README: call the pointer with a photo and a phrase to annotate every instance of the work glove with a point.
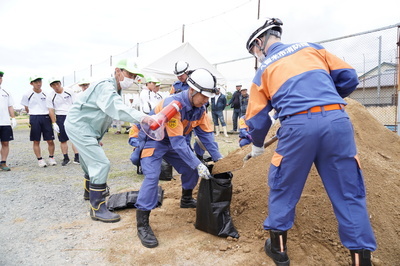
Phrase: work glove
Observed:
(13, 122)
(203, 172)
(248, 136)
(56, 128)
(255, 151)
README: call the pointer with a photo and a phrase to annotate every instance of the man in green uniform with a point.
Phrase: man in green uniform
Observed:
(87, 122)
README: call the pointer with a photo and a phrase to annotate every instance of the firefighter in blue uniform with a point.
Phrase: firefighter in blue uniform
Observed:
(181, 72)
(175, 149)
(306, 84)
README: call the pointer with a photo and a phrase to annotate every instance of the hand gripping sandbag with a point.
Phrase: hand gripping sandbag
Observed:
(128, 199)
(213, 206)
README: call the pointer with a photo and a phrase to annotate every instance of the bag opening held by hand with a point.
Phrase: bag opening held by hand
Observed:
(213, 206)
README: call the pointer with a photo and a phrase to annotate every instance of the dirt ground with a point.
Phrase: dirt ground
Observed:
(52, 226)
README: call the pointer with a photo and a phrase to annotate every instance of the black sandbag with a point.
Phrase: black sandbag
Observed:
(128, 199)
(166, 171)
(213, 206)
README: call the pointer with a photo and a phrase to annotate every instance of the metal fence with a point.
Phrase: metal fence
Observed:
(375, 56)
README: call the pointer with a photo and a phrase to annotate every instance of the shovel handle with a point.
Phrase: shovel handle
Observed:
(270, 141)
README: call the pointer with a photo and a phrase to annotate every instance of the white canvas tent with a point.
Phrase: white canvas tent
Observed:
(163, 68)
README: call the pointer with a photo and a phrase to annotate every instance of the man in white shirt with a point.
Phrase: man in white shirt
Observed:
(59, 102)
(149, 96)
(6, 126)
(39, 120)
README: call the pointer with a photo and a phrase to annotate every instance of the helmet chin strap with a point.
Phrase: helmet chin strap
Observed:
(262, 48)
(192, 95)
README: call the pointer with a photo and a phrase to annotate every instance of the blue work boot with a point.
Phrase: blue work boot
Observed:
(86, 187)
(98, 209)
(86, 182)
(275, 247)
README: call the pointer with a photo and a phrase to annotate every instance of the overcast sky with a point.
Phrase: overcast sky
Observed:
(51, 37)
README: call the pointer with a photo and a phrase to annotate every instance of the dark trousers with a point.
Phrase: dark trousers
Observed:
(235, 118)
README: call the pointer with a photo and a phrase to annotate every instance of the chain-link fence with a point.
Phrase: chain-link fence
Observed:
(374, 54)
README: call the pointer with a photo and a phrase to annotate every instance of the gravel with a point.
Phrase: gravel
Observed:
(44, 219)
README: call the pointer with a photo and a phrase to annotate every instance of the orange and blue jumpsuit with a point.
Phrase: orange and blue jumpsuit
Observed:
(175, 149)
(178, 86)
(244, 136)
(305, 85)
(134, 142)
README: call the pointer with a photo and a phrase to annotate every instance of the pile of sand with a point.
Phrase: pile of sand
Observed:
(312, 241)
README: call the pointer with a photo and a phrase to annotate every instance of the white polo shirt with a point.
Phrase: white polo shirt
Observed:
(6, 101)
(36, 103)
(149, 100)
(61, 102)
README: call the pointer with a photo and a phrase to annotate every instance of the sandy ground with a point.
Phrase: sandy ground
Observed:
(45, 221)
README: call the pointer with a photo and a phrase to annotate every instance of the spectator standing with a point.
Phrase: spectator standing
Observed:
(315, 129)
(149, 96)
(84, 84)
(59, 102)
(218, 104)
(244, 100)
(235, 104)
(6, 125)
(34, 102)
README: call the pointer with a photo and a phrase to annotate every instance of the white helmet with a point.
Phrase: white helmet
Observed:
(180, 68)
(201, 80)
(272, 26)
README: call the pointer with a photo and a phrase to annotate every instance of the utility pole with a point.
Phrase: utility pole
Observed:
(258, 17)
(183, 33)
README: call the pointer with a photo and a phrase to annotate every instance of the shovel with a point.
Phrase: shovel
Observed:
(236, 159)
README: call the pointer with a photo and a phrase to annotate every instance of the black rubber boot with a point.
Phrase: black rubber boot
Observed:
(144, 231)
(98, 209)
(187, 200)
(275, 247)
(86, 187)
(360, 257)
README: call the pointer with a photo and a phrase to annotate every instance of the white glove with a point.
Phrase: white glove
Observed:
(203, 172)
(13, 122)
(56, 128)
(255, 151)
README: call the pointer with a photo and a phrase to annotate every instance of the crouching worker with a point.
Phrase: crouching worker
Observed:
(244, 136)
(175, 149)
(88, 120)
(134, 142)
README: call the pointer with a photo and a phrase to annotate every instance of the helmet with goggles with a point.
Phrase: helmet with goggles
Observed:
(180, 68)
(272, 26)
(201, 80)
